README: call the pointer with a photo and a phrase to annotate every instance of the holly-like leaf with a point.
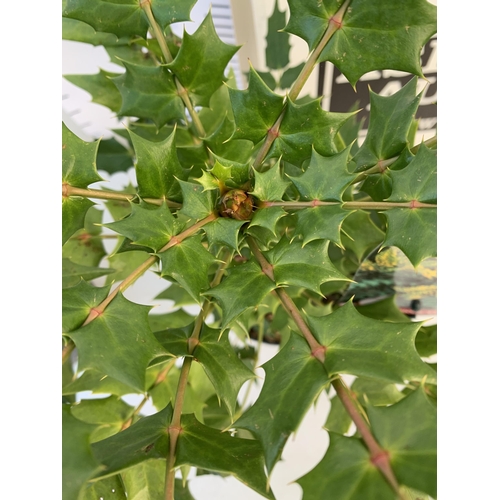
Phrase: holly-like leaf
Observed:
(188, 263)
(158, 168)
(294, 379)
(119, 343)
(347, 470)
(149, 92)
(177, 294)
(209, 449)
(146, 439)
(77, 302)
(123, 264)
(255, 109)
(326, 178)
(278, 44)
(74, 210)
(78, 31)
(197, 203)
(305, 126)
(385, 35)
(113, 157)
(290, 75)
(223, 231)
(248, 283)
(338, 419)
(307, 266)
(100, 87)
(269, 185)
(126, 17)
(148, 225)
(146, 480)
(390, 120)
(78, 461)
(105, 488)
(426, 341)
(73, 273)
(98, 383)
(375, 392)
(321, 223)
(110, 410)
(267, 218)
(367, 347)
(201, 62)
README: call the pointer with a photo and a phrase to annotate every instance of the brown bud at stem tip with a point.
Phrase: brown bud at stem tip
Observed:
(236, 204)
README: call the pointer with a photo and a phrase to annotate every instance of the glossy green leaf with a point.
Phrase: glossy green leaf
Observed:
(176, 319)
(367, 347)
(74, 210)
(110, 410)
(312, 186)
(188, 263)
(413, 231)
(255, 109)
(113, 157)
(126, 17)
(248, 283)
(278, 44)
(201, 62)
(307, 266)
(305, 126)
(385, 310)
(294, 379)
(390, 120)
(100, 87)
(426, 341)
(78, 160)
(158, 168)
(109, 487)
(222, 453)
(148, 225)
(73, 273)
(197, 203)
(223, 231)
(78, 461)
(144, 440)
(267, 218)
(269, 185)
(77, 301)
(321, 223)
(149, 92)
(119, 343)
(346, 470)
(78, 31)
(375, 392)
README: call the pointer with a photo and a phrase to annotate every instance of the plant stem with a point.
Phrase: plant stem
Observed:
(181, 91)
(353, 205)
(378, 456)
(68, 190)
(139, 271)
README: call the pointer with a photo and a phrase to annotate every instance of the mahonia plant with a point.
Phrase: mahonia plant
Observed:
(258, 207)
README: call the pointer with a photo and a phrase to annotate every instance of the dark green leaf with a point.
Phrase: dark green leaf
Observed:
(123, 264)
(78, 462)
(267, 78)
(268, 218)
(78, 31)
(248, 283)
(111, 410)
(426, 341)
(338, 419)
(176, 319)
(269, 185)
(385, 310)
(188, 263)
(113, 157)
(149, 92)
(74, 210)
(221, 453)
(367, 347)
(98, 383)
(377, 392)
(197, 203)
(100, 87)
(278, 45)
(224, 231)
(290, 75)
(177, 294)
(294, 379)
(119, 343)
(73, 273)
(201, 62)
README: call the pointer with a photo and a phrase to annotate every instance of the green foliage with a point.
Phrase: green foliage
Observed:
(255, 210)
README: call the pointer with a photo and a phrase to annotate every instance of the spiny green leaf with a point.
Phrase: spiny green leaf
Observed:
(188, 263)
(74, 210)
(126, 17)
(197, 203)
(290, 75)
(378, 392)
(110, 410)
(294, 379)
(146, 439)
(119, 343)
(149, 92)
(201, 62)
(78, 31)
(367, 347)
(248, 283)
(303, 127)
(278, 45)
(413, 231)
(390, 119)
(158, 168)
(207, 448)
(269, 185)
(385, 310)
(326, 178)
(338, 419)
(100, 87)
(113, 157)
(77, 302)
(408, 431)
(268, 218)
(255, 109)
(78, 160)
(223, 231)
(176, 319)
(105, 488)
(98, 383)
(307, 266)
(146, 480)
(177, 294)
(346, 469)
(133, 53)
(78, 461)
(426, 341)
(73, 273)
(418, 181)
(321, 223)
(123, 264)
(148, 225)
